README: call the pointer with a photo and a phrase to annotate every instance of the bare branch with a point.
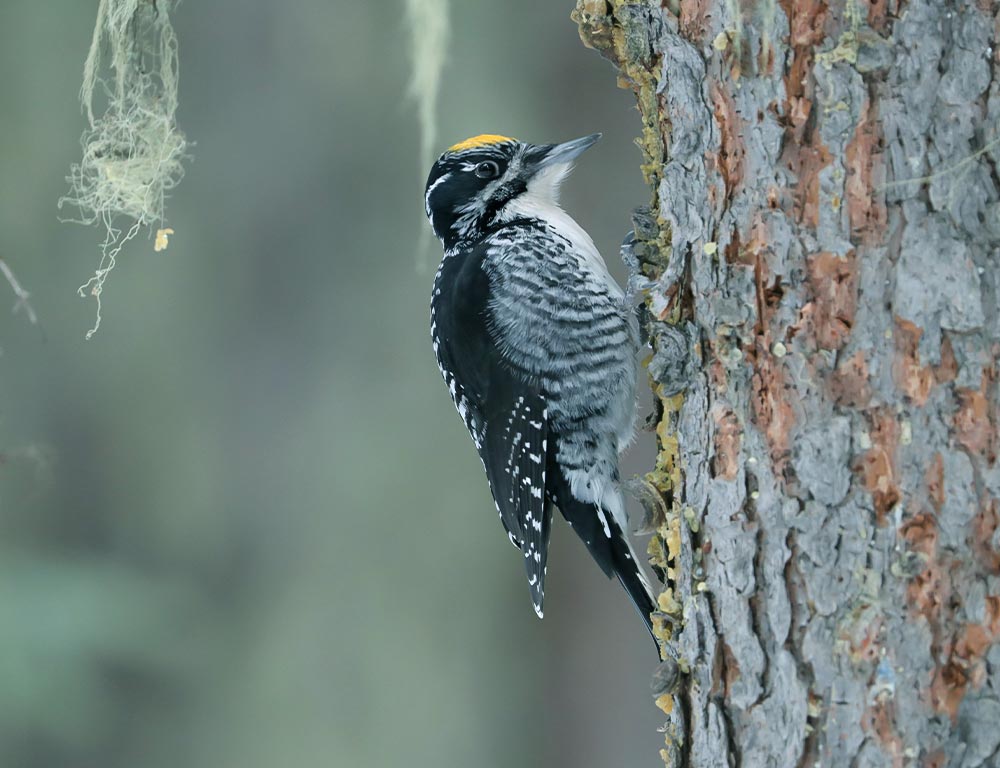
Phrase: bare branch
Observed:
(22, 295)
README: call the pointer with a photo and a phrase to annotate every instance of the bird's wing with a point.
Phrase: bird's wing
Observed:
(514, 453)
(504, 411)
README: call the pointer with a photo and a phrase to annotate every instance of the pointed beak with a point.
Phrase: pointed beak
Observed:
(567, 152)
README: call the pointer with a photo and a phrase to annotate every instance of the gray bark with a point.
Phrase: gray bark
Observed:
(824, 237)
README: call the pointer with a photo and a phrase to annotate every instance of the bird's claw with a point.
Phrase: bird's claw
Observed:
(638, 284)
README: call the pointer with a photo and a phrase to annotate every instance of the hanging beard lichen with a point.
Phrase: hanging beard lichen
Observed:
(132, 150)
(428, 22)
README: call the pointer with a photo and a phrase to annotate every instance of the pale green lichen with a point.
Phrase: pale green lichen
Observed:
(132, 148)
(849, 41)
(429, 31)
(428, 20)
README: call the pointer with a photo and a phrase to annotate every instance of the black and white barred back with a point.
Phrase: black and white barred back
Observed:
(538, 348)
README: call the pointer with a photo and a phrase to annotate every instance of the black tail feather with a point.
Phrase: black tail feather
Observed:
(630, 576)
(613, 553)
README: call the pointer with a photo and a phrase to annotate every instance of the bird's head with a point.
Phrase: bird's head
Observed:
(485, 181)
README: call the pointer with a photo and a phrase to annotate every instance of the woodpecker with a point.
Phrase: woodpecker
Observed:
(538, 348)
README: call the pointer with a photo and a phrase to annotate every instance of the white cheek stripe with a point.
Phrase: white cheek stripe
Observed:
(430, 191)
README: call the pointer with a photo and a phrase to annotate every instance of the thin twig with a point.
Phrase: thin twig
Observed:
(943, 171)
(21, 294)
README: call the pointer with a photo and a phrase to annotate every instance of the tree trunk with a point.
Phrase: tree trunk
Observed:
(824, 235)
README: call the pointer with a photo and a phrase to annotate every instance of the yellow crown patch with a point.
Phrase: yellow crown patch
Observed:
(483, 140)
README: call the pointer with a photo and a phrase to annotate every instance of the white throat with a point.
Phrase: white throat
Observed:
(541, 201)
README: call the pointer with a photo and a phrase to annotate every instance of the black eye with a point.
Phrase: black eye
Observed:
(487, 170)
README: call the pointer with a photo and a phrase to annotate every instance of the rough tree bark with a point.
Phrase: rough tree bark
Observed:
(824, 235)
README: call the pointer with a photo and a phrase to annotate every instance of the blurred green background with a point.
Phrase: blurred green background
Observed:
(243, 525)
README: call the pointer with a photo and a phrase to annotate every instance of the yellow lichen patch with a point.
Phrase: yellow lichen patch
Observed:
(667, 474)
(162, 239)
(482, 140)
(665, 545)
(657, 552)
(666, 703)
(691, 518)
(671, 533)
(662, 629)
(666, 602)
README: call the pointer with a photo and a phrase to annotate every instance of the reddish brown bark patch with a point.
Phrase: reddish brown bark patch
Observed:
(725, 670)
(934, 477)
(834, 283)
(948, 369)
(861, 634)
(806, 164)
(771, 406)
(879, 720)
(974, 422)
(878, 466)
(771, 399)
(878, 15)
(967, 666)
(984, 526)
(971, 646)
(754, 249)
(929, 590)
(948, 688)
(804, 153)
(728, 439)
(993, 615)
(865, 177)
(716, 371)
(849, 384)
(806, 22)
(912, 378)
(693, 19)
(936, 759)
(731, 668)
(732, 151)
(932, 595)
